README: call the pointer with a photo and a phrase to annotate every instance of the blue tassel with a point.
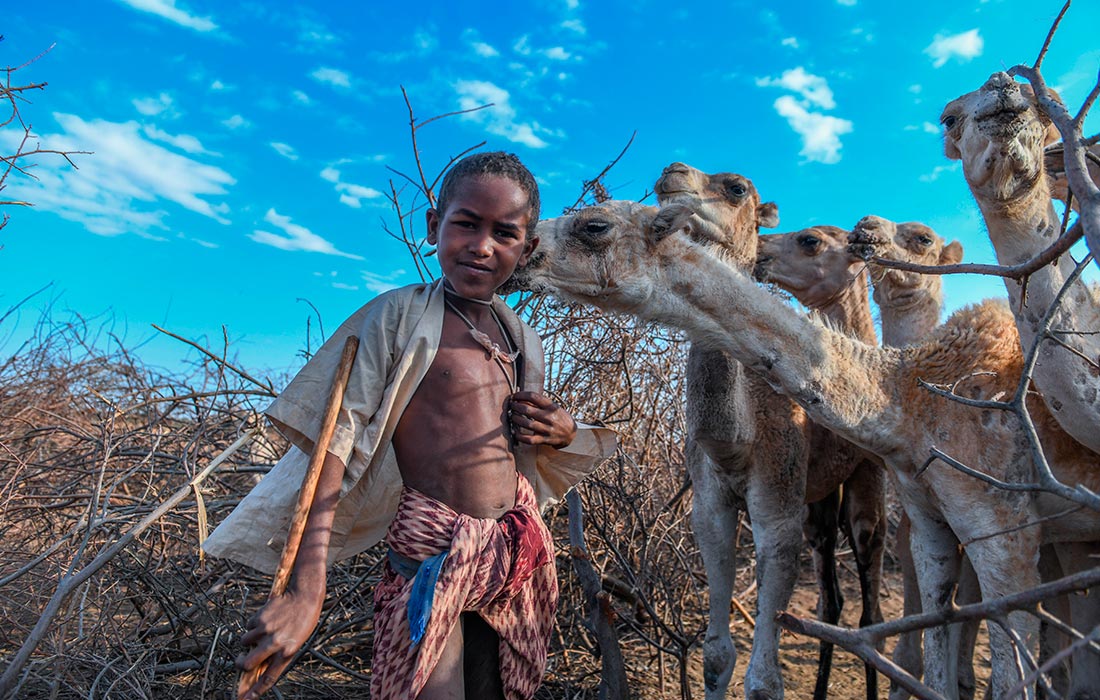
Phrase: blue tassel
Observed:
(423, 592)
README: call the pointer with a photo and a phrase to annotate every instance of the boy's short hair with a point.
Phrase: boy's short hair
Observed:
(496, 163)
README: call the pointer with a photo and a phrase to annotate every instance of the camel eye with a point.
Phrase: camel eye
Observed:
(923, 241)
(596, 227)
(737, 189)
(948, 121)
(809, 242)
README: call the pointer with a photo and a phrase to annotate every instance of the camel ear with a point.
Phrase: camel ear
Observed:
(669, 220)
(951, 149)
(1052, 135)
(767, 214)
(951, 254)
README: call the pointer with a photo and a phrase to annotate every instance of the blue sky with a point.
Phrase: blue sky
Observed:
(241, 149)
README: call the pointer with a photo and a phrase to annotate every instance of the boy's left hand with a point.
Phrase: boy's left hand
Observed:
(536, 420)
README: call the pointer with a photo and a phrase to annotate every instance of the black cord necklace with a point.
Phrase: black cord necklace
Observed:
(494, 351)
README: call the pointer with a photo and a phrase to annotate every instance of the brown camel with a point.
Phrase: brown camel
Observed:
(625, 257)
(815, 266)
(909, 305)
(746, 447)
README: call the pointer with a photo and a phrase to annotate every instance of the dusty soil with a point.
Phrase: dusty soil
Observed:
(798, 655)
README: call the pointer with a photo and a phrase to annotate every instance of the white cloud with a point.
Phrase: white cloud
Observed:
(296, 237)
(331, 76)
(301, 98)
(168, 10)
(572, 4)
(126, 185)
(218, 86)
(184, 142)
(557, 53)
(236, 122)
(915, 88)
(939, 170)
(381, 283)
(344, 285)
(484, 50)
(790, 41)
(574, 25)
(425, 40)
(522, 46)
(820, 132)
(285, 150)
(500, 119)
(962, 47)
(846, 3)
(152, 106)
(813, 88)
(350, 194)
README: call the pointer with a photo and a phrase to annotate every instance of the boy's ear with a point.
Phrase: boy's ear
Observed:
(432, 219)
(529, 246)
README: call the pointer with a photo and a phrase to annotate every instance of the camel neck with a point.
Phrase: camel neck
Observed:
(844, 384)
(910, 323)
(850, 310)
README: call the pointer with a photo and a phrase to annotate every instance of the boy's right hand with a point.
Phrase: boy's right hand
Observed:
(276, 633)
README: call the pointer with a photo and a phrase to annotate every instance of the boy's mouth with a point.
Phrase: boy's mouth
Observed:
(476, 267)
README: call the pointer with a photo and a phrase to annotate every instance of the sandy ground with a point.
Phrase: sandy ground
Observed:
(798, 655)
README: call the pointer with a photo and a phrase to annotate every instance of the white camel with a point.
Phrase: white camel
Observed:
(625, 257)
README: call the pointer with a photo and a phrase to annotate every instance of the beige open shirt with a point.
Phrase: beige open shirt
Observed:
(399, 333)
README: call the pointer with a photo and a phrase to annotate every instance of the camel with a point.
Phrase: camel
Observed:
(747, 447)
(909, 305)
(814, 265)
(999, 134)
(626, 257)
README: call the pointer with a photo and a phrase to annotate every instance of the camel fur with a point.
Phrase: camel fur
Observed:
(814, 265)
(999, 134)
(625, 257)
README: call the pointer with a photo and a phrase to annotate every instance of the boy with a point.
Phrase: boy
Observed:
(444, 443)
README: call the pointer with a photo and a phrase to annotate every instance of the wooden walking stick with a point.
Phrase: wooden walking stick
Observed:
(305, 495)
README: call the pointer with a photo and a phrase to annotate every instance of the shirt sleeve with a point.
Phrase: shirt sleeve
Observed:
(298, 411)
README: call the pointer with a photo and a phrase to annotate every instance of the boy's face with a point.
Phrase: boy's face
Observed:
(482, 236)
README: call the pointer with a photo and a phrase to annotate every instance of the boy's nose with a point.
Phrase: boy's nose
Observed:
(482, 245)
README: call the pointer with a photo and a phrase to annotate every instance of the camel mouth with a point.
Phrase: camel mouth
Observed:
(760, 271)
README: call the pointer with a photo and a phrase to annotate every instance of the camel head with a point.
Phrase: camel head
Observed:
(728, 205)
(913, 242)
(813, 264)
(606, 255)
(998, 132)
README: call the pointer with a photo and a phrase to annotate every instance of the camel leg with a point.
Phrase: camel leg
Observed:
(934, 545)
(776, 513)
(1085, 615)
(714, 520)
(1051, 640)
(907, 652)
(821, 532)
(1005, 564)
(969, 592)
(864, 518)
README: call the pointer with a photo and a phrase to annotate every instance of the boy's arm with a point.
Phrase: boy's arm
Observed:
(283, 625)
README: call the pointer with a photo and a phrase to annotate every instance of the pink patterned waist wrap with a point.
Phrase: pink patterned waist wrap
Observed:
(502, 569)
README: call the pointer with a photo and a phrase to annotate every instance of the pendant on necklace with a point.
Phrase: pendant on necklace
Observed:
(492, 348)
